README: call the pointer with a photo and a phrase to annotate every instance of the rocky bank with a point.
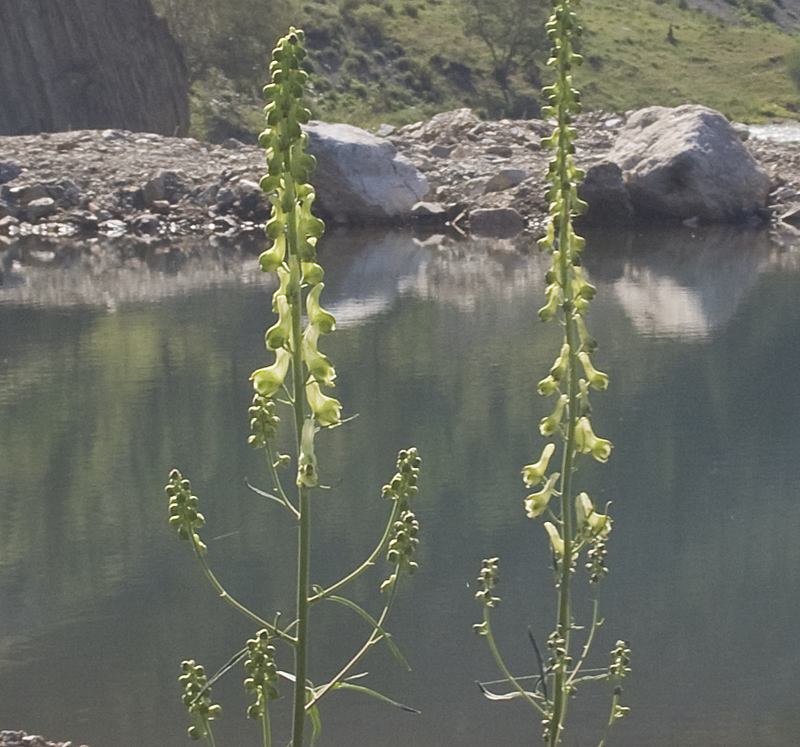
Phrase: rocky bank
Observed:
(483, 177)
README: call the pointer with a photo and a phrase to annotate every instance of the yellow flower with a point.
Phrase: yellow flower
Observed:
(533, 474)
(536, 503)
(268, 380)
(326, 409)
(588, 443)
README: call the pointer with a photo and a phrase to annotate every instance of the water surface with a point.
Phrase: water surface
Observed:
(108, 383)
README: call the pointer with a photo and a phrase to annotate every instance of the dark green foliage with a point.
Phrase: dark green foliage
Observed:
(793, 65)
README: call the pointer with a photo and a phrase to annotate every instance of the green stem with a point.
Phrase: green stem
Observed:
(366, 564)
(487, 628)
(265, 727)
(564, 625)
(276, 481)
(304, 507)
(374, 637)
(209, 733)
(236, 604)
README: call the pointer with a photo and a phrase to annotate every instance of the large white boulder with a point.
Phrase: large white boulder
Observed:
(688, 162)
(360, 178)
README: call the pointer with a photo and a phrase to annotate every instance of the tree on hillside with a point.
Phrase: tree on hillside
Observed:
(232, 36)
(513, 31)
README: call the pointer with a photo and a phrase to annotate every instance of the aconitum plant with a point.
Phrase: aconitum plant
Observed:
(576, 530)
(295, 380)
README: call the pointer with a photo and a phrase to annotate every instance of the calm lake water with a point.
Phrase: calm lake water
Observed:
(108, 379)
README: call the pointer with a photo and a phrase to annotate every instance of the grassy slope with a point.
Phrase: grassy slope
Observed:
(393, 60)
(738, 69)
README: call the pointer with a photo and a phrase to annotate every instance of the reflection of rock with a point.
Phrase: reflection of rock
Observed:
(679, 283)
(366, 272)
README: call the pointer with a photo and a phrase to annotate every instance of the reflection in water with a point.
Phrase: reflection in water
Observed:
(672, 283)
(439, 347)
(681, 283)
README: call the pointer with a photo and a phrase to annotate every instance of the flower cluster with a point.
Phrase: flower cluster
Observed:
(184, 517)
(263, 421)
(568, 294)
(403, 486)
(402, 548)
(262, 673)
(488, 578)
(294, 232)
(401, 489)
(197, 699)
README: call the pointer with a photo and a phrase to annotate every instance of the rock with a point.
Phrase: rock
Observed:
(113, 227)
(505, 179)
(385, 130)
(504, 151)
(9, 172)
(6, 209)
(6, 222)
(360, 178)
(792, 216)
(604, 190)
(146, 224)
(84, 219)
(688, 161)
(231, 143)
(429, 211)
(166, 185)
(500, 223)
(43, 207)
(441, 151)
(90, 64)
(448, 127)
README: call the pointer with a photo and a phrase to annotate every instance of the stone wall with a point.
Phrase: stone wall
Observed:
(89, 64)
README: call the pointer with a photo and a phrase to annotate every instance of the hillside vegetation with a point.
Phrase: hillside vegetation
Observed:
(397, 61)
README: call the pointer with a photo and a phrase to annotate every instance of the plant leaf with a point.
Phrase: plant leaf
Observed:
(374, 694)
(374, 623)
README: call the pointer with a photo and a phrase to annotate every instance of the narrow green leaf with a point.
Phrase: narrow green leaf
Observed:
(374, 623)
(373, 693)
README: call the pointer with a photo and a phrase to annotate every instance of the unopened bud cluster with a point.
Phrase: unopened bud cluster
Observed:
(402, 488)
(262, 680)
(488, 578)
(184, 517)
(197, 698)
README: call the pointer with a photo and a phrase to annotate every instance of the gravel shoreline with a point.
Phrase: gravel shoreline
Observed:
(114, 183)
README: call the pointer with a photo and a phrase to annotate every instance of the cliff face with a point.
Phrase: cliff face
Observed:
(89, 64)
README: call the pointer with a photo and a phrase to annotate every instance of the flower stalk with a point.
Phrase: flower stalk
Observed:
(299, 374)
(576, 525)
